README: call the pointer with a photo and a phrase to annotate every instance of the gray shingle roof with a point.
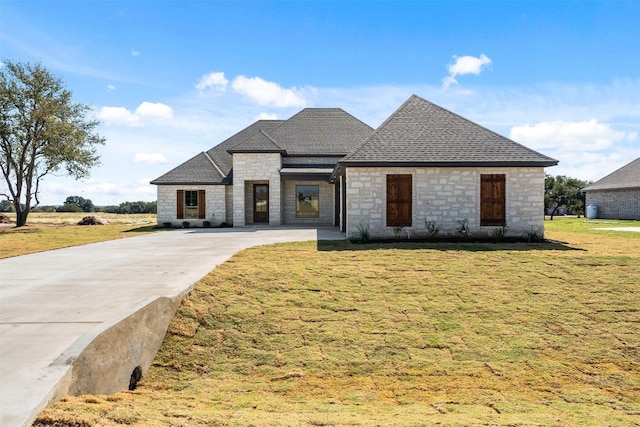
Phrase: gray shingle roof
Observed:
(627, 176)
(420, 132)
(257, 143)
(320, 131)
(214, 166)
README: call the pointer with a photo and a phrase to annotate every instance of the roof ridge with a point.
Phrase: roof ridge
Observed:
(271, 139)
(378, 129)
(215, 165)
(531, 150)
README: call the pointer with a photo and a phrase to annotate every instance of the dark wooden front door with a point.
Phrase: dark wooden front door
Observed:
(261, 203)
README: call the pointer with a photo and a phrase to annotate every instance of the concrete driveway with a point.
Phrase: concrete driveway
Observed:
(54, 304)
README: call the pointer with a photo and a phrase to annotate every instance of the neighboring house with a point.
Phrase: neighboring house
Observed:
(617, 195)
(423, 166)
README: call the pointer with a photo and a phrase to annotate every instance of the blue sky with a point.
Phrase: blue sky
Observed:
(169, 79)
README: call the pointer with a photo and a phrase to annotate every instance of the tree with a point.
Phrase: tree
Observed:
(69, 207)
(563, 191)
(41, 131)
(5, 206)
(85, 204)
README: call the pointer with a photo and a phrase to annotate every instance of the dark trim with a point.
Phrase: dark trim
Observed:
(187, 183)
(263, 151)
(305, 176)
(338, 155)
(391, 164)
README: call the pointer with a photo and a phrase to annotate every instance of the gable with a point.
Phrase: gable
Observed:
(213, 166)
(320, 131)
(627, 176)
(422, 133)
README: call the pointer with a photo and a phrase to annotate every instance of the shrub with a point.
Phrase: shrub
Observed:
(167, 224)
(501, 231)
(463, 227)
(206, 224)
(534, 235)
(186, 224)
(432, 228)
(362, 234)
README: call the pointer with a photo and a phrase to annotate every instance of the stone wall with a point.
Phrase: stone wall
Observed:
(326, 203)
(444, 196)
(215, 203)
(615, 204)
(259, 167)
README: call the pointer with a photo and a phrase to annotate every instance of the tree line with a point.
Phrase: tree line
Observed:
(80, 204)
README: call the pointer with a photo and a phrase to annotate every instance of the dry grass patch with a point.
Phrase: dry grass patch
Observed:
(46, 231)
(397, 334)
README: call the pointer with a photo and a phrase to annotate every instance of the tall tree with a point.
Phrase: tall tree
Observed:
(85, 204)
(563, 191)
(41, 131)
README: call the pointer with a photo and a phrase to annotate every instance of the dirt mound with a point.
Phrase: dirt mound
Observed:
(5, 219)
(93, 220)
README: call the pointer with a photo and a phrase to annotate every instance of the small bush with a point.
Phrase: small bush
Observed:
(500, 232)
(463, 227)
(167, 224)
(432, 228)
(206, 224)
(362, 234)
(534, 235)
(186, 224)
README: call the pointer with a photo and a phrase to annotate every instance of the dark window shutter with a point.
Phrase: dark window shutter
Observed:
(399, 200)
(492, 200)
(180, 204)
(202, 207)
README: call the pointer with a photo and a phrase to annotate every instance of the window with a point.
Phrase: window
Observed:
(492, 200)
(307, 197)
(190, 204)
(399, 199)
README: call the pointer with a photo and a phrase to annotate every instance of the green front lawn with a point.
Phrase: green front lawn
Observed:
(335, 334)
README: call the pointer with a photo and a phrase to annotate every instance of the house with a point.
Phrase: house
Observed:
(617, 195)
(423, 168)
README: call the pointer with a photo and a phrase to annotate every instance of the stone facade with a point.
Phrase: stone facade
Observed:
(615, 204)
(443, 196)
(258, 168)
(326, 203)
(215, 204)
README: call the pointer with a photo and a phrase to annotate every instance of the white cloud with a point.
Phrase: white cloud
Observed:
(215, 81)
(587, 135)
(111, 88)
(118, 115)
(156, 110)
(135, 52)
(122, 116)
(268, 93)
(150, 158)
(267, 116)
(465, 65)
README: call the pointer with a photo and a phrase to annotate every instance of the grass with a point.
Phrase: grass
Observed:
(399, 334)
(46, 231)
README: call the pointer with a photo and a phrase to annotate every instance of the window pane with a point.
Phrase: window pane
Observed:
(307, 201)
(191, 204)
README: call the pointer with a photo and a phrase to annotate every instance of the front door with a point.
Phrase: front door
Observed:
(261, 203)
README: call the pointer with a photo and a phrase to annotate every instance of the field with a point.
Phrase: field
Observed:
(46, 231)
(399, 334)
